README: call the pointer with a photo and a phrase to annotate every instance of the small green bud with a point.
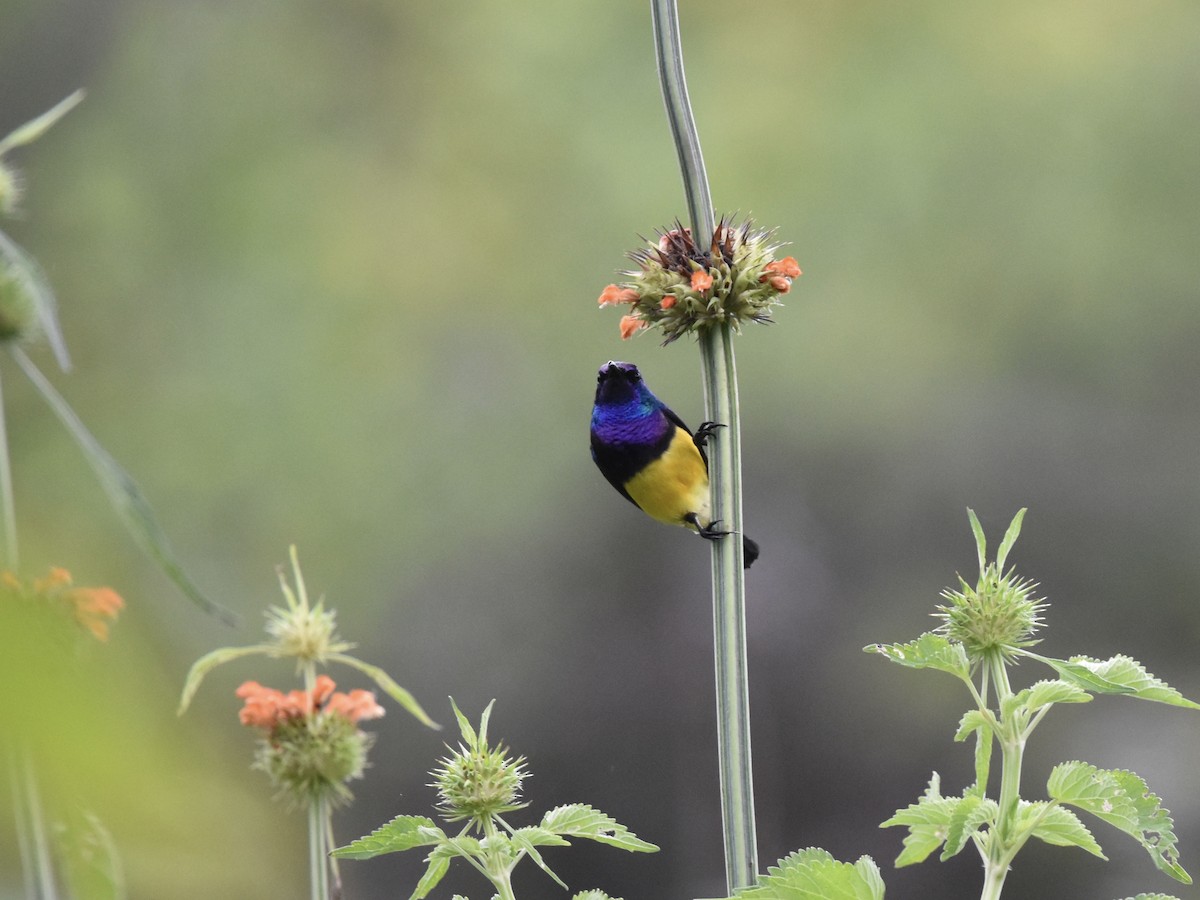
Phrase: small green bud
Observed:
(18, 309)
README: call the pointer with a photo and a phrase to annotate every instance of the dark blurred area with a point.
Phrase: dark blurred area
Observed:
(328, 274)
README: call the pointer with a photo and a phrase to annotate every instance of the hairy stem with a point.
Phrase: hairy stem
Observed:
(1002, 845)
(721, 405)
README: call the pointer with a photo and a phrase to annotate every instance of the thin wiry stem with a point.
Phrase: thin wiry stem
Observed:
(6, 496)
(721, 405)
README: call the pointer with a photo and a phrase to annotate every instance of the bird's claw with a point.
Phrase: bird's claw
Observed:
(704, 432)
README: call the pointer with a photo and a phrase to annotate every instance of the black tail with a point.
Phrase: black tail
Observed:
(749, 551)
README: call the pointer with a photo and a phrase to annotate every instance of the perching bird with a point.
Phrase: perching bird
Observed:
(651, 457)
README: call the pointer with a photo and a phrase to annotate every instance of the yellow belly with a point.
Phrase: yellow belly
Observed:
(674, 485)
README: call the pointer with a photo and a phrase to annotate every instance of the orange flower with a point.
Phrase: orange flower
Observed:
(93, 606)
(356, 705)
(630, 325)
(781, 284)
(615, 295)
(667, 302)
(268, 708)
(786, 266)
(701, 281)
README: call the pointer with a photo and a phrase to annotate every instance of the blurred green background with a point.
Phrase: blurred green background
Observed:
(328, 273)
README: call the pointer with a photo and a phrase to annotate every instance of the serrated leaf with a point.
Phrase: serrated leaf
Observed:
(969, 814)
(388, 685)
(1118, 675)
(401, 833)
(209, 661)
(929, 651)
(814, 874)
(593, 895)
(1122, 799)
(581, 820)
(972, 721)
(123, 493)
(1056, 825)
(1044, 693)
(1152, 897)
(928, 822)
(36, 285)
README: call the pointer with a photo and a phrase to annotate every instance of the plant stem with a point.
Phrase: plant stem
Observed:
(36, 861)
(6, 496)
(318, 822)
(721, 405)
(1002, 846)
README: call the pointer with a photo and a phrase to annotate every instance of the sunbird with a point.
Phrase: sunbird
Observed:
(654, 460)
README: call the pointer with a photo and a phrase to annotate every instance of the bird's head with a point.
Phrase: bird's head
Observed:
(619, 382)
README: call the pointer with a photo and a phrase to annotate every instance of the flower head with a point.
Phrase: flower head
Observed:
(1000, 614)
(478, 781)
(682, 286)
(311, 742)
(93, 609)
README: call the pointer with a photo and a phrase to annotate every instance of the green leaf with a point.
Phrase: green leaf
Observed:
(1118, 675)
(593, 895)
(1122, 799)
(401, 833)
(1010, 538)
(928, 822)
(439, 863)
(388, 686)
(814, 874)
(976, 720)
(209, 661)
(34, 129)
(980, 540)
(464, 726)
(34, 283)
(1045, 693)
(124, 494)
(969, 814)
(929, 651)
(528, 839)
(1152, 897)
(1056, 825)
(580, 820)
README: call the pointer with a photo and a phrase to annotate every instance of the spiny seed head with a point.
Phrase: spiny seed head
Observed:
(478, 783)
(998, 616)
(683, 286)
(308, 635)
(312, 757)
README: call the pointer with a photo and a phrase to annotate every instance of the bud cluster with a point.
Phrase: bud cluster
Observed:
(998, 616)
(681, 286)
(478, 781)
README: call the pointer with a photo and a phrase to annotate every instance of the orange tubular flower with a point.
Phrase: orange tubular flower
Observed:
(630, 325)
(786, 266)
(615, 295)
(94, 606)
(701, 281)
(268, 708)
(667, 302)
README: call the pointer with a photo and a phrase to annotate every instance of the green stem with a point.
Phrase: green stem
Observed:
(721, 405)
(318, 822)
(6, 496)
(37, 863)
(1002, 844)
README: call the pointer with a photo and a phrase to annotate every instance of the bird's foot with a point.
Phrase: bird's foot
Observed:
(704, 432)
(709, 532)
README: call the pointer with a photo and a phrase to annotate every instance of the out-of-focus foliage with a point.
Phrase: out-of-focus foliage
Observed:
(328, 275)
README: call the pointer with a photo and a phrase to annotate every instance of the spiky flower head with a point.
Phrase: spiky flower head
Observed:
(311, 744)
(1000, 614)
(478, 781)
(306, 632)
(683, 286)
